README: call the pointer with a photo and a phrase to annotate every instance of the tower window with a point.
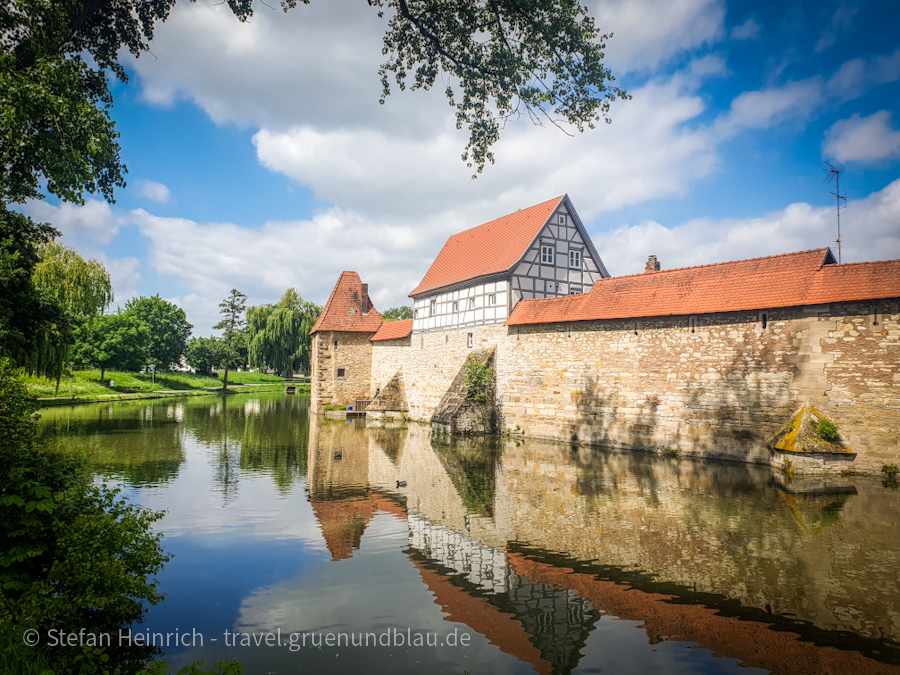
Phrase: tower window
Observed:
(336, 345)
(341, 372)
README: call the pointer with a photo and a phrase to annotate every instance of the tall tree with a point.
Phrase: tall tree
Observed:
(233, 327)
(499, 59)
(397, 313)
(30, 325)
(278, 335)
(82, 288)
(113, 341)
(168, 326)
(206, 354)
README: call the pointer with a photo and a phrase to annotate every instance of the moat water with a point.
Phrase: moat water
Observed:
(512, 555)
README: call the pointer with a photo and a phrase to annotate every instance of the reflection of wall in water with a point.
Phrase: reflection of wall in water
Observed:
(723, 529)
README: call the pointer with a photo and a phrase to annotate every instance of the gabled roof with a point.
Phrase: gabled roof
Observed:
(490, 248)
(787, 280)
(393, 330)
(349, 308)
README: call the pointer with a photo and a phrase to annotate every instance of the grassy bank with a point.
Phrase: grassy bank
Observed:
(86, 384)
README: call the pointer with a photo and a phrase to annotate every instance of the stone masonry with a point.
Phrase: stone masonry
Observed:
(341, 374)
(714, 385)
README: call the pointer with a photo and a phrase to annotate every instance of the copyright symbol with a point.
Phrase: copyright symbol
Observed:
(31, 637)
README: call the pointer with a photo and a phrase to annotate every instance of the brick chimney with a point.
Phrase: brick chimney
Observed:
(364, 300)
(652, 264)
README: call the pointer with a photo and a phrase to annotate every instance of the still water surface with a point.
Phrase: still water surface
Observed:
(552, 559)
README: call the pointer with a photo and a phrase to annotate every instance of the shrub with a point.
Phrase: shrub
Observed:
(72, 554)
(478, 382)
(828, 430)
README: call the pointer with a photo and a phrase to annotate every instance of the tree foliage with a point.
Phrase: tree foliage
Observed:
(27, 320)
(206, 354)
(234, 332)
(397, 313)
(278, 335)
(73, 555)
(499, 59)
(168, 327)
(81, 288)
(113, 341)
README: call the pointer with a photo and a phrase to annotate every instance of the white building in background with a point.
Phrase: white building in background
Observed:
(480, 274)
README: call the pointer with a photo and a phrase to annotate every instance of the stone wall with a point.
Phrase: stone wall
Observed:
(353, 356)
(717, 385)
(430, 362)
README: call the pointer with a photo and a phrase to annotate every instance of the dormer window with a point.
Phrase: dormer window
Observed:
(547, 254)
(575, 259)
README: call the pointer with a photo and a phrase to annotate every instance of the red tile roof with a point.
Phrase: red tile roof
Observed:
(487, 249)
(786, 280)
(349, 308)
(393, 330)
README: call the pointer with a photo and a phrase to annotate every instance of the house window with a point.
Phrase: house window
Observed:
(471, 303)
(455, 306)
(416, 314)
(432, 308)
(336, 345)
(342, 372)
(546, 255)
(692, 323)
(492, 300)
(575, 259)
(574, 290)
(562, 219)
(469, 340)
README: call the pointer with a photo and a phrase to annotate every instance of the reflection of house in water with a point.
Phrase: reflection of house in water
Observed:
(530, 546)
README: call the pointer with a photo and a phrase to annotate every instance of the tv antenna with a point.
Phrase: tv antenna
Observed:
(834, 171)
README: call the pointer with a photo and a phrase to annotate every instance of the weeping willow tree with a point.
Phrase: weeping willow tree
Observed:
(279, 334)
(81, 289)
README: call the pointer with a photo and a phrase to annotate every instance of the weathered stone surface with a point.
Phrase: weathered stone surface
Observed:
(801, 434)
(456, 414)
(391, 398)
(720, 386)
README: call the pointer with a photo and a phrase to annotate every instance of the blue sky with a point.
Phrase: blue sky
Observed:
(260, 159)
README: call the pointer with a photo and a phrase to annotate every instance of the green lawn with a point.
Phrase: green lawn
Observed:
(86, 382)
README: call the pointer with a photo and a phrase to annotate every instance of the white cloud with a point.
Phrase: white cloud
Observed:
(868, 229)
(81, 226)
(856, 76)
(768, 107)
(748, 30)
(648, 32)
(157, 192)
(862, 139)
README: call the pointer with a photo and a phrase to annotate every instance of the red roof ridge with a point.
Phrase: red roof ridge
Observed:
(488, 222)
(822, 250)
(490, 248)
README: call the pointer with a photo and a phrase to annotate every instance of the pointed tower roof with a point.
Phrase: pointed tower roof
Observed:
(349, 308)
